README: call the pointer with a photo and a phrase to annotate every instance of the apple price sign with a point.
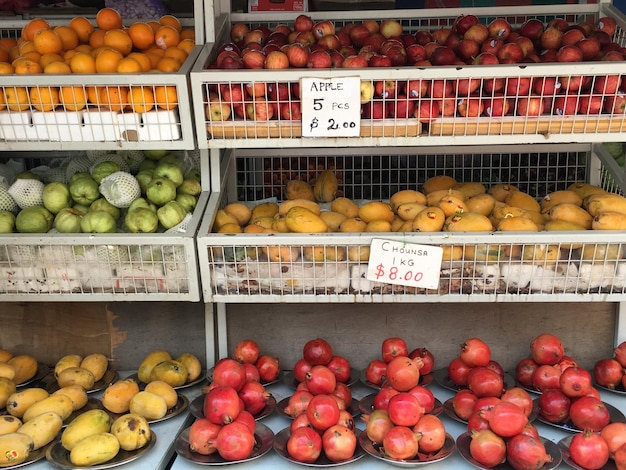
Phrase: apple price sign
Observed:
(408, 264)
(331, 107)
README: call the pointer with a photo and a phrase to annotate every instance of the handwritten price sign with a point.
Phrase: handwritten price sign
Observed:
(407, 264)
(331, 107)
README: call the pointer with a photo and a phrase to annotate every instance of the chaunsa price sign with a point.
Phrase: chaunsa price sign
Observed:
(408, 264)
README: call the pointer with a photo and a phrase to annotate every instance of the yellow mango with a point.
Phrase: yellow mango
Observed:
(298, 189)
(523, 201)
(67, 361)
(239, 211)
(541, 254)
(481, 204)
(151, 360)
(5, 355)
(609, 221)
(326, 186)
(95, 450)
(430, 219)
(264, 209)
(585, 189)
(345, 206)
(165, 391)
(557, 197)
(335, 253)
(432, 199)
(437, 183)
(517, 224)
(451, 205)
(482, 252)
(316, 253)
(333, 220)
(149, 405)
(467, 222)
(470, 188)
(7, 371)
(262, 222)
(286, 206)
(404, 196)
(76, 393)
(282, 253)
(116, 397)
(570, 213)
(60, 404)
(502, 211)
(171, 371)
(379, 226)
(76, 376)
(132, 431)
(409, 210)
(7, 388)
(562, 226)
(193, 365)
(501, 191)
(223, 218)
(25, 367)
(376, 210)
(95, 363)
(14, 449)
(396, 224)
(606, 202)
(452, 253)
(302, 220)
(85, 424)
(9, 424)
(353, 225)
(279, 223)
(359, 253)
(19, 402)
(42, 428)
(601, 252)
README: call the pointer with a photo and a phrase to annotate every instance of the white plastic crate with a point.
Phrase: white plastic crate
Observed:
(494, 266)
(240, 131)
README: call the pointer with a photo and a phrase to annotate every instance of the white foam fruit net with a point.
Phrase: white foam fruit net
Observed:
(133, 158)
(110, 157)
(27, 192)
(182, 227)
(7, 203)
(120, 189)
(79, 164)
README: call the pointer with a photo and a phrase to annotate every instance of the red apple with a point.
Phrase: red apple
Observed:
(217, 110)
(336, 59)
(347, 51)
(442, 55)
(548, 55)
(344, 38)
(571, 82)
(446, 106)
(465, 22)
(373, 110)
(558, 23)
(282, 28)
(389, 44)
(517, 86)
(319, 59)
(416, 88)
(298, 55)
(494, 85)
(295, 90)
(276, 60)
(569, 54)
(532, 28)
(590, 48)
(255, 36)
(499, 28)
(256, 89)
(590, 103)
(552, 38)
(306, 38)
(441, 88)
(401, 108)
(408, 39)
(423, 37)
(607, 84)
(372, 25)
(385, 88)
(374, 41)
(278, 37)
(253, 59)
(354, 62)
(358, 34)
(486, 58)
(527, 45)
(602, 36)
(427, 110)
(477, 32)
(497, 105)
(227, 60)
(467, 49)
(530, 106)
(278, 91)
(470, 107)
(259, 110)
(440, 36)
(607, 24)
(366, 53)
(491, 45)
(303, 23)
(615, 104)
(379, 60)
(271, 47)
(510, 53)
(391, 28)
(565, 105)
(290, 111)
(613, 56)
(232, 93)
(572, 36)
(397, 55)
(238, 32)
(467, 86)
(414, 53)
(545, 86)
(323, 28)
(330, 41)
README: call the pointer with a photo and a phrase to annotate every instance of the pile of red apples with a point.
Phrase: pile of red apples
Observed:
(307, 44)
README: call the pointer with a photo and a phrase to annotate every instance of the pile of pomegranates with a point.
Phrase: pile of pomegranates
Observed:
(317, 355)
(263, 368)
(474, 369)
(609, 372)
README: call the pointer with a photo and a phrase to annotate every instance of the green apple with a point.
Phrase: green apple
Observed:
(190, 186)
(141, 220)
(56, 196)
(68, 220)
(34, 219)
(171, 171)
(155, 154)
(147, 165)
(187, 201)
(84, 190)
(7, 222)
(104, 169)
(171, 214)
(98, 222)
(143, 178)
(101, 204)
(160, 191)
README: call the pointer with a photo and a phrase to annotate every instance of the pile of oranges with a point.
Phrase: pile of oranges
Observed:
(80, 47)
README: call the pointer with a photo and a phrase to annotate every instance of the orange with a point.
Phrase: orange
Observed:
(188, 33)
(143, 60)
(8, 43)
(83, 28)
(16, 98)
(26, 46)
(171, 20)
(82, 62)
(34, 25)
(93, 94)
(68, 36)
(47, 41)
(166, 36)
(97, 38)
(155, 25)
(6, 68)
(73, 98)
(118, 39)
(25, 66)
(176, 53)
(141, 99)
(187, 45)
(141, 34)
(107, 60)
(48, 58)
(58, 68)
(114, 97)
(84, 48)
(168, 65)
(108, 18)
(154, 58)
(32, 55)
(3, 101)
(14, 53)
(44, 98)
(129, 65)
(166, 97)
(4, 55)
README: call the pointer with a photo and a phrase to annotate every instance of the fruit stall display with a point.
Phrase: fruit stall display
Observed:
(423, 76)
(301, 227)
(74, 225)
(94, 83)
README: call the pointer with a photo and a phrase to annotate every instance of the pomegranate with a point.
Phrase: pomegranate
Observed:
(486, 403)
(304, 445)
(320, 379)
(567, 361)
(524, 371)
(346, 419)
(229, 373)
(323, 412)
(381, 400)
(340, 366)
(431, 433)
(477, 422)
(620, 458)
(620, 353)
(222, 405)
(615, 436)
(339, 443)
(530, 430)
(589, 450)
(546, 377)
(463, 403)
(496, 367)
(202, 434)
(424, 396)
(298, 403)
(505, 419)
(608, 373)
(520, 397)
(254, 397)
(575, 382)
(404, 409)
(457, 371)
(343, 391)
(554, 406)
(403, 373)
(252, 373)
(427, 358)
(317, 351)
(269, 368)
(246, 418)
(300, 368)
(485, 382)
(393, 347)
(475, 352)
(589, 413)
(526, 453)
(377, 423)
(299, 421)
(235, 442)
(400, 443)
(487, 448)
(246, 351)
(546, 349)
(375, 372)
